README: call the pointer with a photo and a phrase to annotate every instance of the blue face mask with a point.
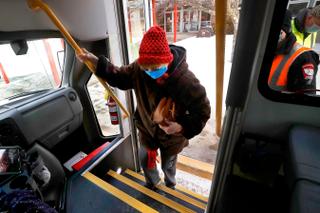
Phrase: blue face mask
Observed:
(157, 73)
(313, 28)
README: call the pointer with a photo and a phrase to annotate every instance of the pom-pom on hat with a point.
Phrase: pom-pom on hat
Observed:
(154, 48)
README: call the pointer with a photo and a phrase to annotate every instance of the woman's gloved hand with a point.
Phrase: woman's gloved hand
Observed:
(88, 56)
(171, 127)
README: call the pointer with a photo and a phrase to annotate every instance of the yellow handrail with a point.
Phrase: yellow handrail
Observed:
(221, 8)
(39, 4)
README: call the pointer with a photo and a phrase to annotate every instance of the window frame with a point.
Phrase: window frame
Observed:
(263, 87)
(7, 37)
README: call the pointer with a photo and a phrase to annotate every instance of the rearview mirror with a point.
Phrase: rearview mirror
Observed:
(19, 47)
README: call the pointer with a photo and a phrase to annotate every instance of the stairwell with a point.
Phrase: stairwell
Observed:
(125, 192)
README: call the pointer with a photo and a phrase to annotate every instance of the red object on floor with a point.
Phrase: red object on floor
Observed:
(4, 75)
(89, 157)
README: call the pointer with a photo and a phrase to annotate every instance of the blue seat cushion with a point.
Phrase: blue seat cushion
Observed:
(304, 154)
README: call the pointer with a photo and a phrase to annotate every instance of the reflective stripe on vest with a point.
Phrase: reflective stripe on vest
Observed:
(281, 65)
(308, 41)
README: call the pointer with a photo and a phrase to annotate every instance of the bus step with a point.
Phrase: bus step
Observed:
(129, 188)
(163, 199)
(178, 192)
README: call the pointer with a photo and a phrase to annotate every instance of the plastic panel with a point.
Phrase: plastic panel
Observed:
(47, 118)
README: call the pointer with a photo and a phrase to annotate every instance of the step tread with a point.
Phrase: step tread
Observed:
(172, 204)
(168, 190)
(149, 201)
(118, 193)
(196, 163)
(187, 191)
(195, 167)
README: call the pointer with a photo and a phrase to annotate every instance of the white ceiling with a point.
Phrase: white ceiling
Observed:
(84, 19)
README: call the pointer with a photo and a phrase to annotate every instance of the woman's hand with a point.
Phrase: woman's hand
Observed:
(171, 128)
(88, 56)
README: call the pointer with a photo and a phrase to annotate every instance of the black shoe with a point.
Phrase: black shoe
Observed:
(150, 186)
(171, 186)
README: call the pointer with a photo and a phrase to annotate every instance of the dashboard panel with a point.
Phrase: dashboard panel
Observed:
(46, 118)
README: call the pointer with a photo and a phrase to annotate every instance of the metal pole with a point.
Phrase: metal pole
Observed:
(221, 9)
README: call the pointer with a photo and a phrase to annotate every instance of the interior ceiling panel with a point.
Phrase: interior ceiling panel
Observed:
(84, 19)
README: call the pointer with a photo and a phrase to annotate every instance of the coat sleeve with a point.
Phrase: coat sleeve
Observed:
(302, 73)
(193, 97)
(120, 77)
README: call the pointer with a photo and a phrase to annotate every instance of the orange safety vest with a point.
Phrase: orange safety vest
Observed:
(280, 67)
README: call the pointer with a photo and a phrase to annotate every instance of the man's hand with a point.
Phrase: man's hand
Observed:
(171, 128)
(88, 56)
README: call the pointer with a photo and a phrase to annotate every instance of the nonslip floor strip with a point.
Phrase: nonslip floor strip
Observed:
(172, 204)
(118, 193)
(186, 191)
(170, 191)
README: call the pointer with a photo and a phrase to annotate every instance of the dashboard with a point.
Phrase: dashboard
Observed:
(46, 118)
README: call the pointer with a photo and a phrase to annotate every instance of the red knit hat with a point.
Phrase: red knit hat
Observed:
(154, 48)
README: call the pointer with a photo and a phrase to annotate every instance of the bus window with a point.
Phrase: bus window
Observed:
(135, 26)
(102, 108)
(32, 68)
(293, 74)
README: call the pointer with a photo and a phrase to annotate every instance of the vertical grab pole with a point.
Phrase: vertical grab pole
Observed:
(221, 9)
(38, 4)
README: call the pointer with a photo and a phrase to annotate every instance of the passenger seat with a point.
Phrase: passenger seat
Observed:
(305, 197)
(302, 168)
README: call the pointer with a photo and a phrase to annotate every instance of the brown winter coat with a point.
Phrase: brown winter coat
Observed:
(191, 103)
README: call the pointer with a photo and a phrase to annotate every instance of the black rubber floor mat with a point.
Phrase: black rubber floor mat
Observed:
(84, 196)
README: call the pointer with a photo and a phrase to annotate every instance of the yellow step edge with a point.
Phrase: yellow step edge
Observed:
(187, 191)
(118, 193)
(172, 204)
(196, 167)
(175, 193)
(196, 163)
(205, 199)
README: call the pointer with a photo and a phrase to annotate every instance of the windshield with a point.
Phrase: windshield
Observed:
(37, 70)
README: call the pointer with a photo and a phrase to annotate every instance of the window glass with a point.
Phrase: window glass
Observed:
(37, 69)
(106, 111)
(295, 63)
(136, 27)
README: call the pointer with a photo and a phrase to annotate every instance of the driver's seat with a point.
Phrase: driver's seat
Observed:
(52, 192)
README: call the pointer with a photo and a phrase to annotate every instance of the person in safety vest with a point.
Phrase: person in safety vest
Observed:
(294, 66)
(161, 79)
(306, 25)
